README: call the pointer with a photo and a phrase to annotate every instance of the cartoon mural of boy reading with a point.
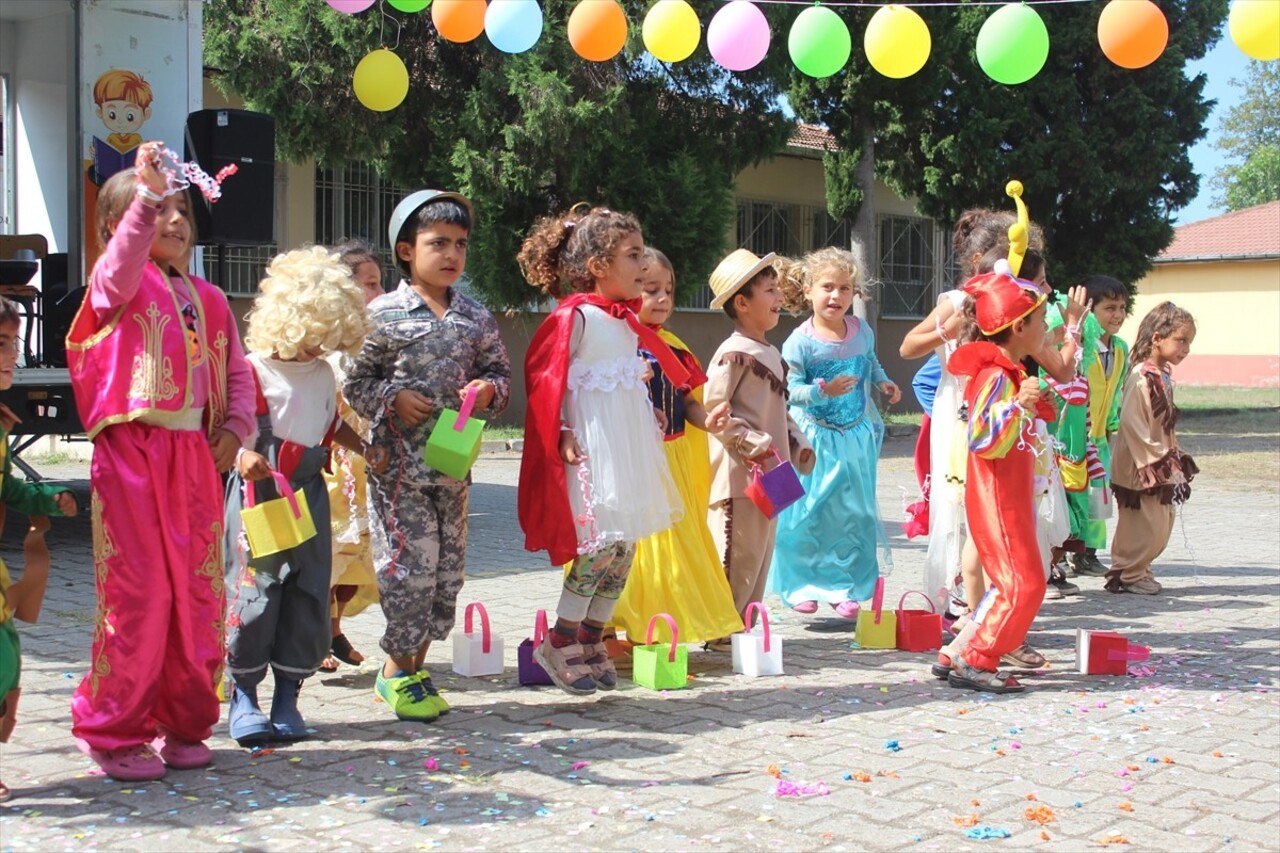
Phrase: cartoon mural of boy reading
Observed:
(123, 101)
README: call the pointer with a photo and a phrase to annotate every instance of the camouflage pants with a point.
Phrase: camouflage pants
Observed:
(594, 583)
(419, 539)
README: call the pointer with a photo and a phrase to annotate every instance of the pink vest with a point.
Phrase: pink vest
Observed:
(137, 362)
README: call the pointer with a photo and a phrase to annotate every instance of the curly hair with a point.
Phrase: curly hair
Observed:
(981, 229)
(307, 300)
(796, 276)
(554, 256)
(1160, 322)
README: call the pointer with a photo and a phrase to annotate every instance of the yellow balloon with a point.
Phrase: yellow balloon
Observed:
(897, 41)
(381, 81)
(671, 30)
(1255, 28)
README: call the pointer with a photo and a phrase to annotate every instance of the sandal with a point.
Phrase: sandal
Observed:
(138, 763)
(968, 677)
(596, 656)
(343, 651)
(941, 667)
(329, 664)
(1024, 657)
(5, 793)
(566, 667)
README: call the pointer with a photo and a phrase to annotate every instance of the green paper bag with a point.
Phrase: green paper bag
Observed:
(661, 666)
(877, 629)
(454, 443)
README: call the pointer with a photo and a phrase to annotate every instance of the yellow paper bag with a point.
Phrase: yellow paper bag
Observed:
(279, 524)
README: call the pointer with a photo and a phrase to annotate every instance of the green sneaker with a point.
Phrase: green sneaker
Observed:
(406, 696)
(433, 695)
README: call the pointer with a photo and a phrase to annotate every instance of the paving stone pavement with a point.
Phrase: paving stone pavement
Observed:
(1182, 754)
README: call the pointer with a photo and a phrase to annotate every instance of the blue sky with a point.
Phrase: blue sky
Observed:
(1222, 64)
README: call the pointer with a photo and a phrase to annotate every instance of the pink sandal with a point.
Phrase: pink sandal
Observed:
(806, 607)
(847, 609)
(129, 763)
(182, 754)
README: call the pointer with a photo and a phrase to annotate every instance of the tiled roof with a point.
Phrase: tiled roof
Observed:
(1252, 232)
(812, 136)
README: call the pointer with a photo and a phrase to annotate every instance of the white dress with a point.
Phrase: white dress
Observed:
(946, 471)
(623, 492)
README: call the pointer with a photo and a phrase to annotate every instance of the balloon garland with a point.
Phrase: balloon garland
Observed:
(1012, 46)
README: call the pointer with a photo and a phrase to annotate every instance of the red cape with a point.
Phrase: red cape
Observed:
(542, 497)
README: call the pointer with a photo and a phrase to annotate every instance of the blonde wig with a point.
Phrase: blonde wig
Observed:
(307, 300)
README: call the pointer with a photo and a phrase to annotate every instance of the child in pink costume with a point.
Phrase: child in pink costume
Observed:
(166, 396)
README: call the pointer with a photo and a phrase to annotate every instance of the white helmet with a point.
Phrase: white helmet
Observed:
(410, 205)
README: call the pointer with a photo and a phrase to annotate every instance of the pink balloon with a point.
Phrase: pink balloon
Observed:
(738, 36)
(349, 7)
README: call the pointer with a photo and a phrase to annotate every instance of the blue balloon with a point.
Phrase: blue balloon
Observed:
(513, 26)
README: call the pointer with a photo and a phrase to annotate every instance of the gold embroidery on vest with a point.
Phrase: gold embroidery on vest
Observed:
(152, 376)
(218, 382)
(103, 551)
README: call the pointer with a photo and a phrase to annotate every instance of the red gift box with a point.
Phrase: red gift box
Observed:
(919, 630)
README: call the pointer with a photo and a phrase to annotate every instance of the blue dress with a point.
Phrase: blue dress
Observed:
(831, 544)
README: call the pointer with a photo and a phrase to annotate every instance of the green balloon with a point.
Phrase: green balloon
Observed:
(819, 42)
(1013, 44)
(409, 5)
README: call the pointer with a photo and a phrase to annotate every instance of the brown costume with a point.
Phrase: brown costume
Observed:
(1149, 474)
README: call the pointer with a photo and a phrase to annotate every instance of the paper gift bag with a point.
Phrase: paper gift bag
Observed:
(1100, 503)
(276, 525)
(1106, 652)
(918, 630)
(664, 666)
(774, 490)
(877, 629)
(757, 653)
(476, 654)
(454, 443)
(529, 670)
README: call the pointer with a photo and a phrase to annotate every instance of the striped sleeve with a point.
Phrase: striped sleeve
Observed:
(994, 418)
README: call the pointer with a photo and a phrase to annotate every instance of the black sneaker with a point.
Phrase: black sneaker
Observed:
(1058, 580)
(1088, 564)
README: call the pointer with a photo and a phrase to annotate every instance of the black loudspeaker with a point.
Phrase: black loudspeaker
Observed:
(245, 214)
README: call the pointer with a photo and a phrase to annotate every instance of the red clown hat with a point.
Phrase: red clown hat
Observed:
(1000, 300)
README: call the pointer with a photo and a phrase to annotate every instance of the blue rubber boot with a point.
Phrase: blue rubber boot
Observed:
(285, 718)
(246, 723)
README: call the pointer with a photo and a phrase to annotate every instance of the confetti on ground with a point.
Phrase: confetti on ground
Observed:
(982, 833)
(1042, 815)
(578, 765)
(1113, 839)
(1126, 807)
(787, 788)
(965, 820)
(431, 765)
(1044, 836)
(773, 771)
(893, 746)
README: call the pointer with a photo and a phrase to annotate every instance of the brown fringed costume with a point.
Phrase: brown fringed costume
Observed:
(752, 377)
(1149, 474)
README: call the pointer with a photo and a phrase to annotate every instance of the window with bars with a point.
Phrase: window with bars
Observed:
(908, 265)
(354, 202)
(788, 229)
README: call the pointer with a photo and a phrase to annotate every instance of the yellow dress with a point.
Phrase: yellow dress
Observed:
(679, 571)
(349, 519)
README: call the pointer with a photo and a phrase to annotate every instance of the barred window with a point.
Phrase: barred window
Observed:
(908, 265)
(354, 202)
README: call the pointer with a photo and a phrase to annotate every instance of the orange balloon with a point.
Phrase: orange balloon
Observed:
(458, 20)
(1132, 33)
(597, 29)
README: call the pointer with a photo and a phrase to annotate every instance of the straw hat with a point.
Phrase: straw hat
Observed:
(734, 271)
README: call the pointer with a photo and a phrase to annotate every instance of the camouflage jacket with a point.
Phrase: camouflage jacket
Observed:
(411, 348)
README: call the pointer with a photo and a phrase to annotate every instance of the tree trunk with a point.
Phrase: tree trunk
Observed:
(864, 225)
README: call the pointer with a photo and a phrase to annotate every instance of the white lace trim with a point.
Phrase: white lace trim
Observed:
(624, 371)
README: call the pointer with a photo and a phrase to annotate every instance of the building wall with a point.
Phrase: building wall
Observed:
(1236, 304)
